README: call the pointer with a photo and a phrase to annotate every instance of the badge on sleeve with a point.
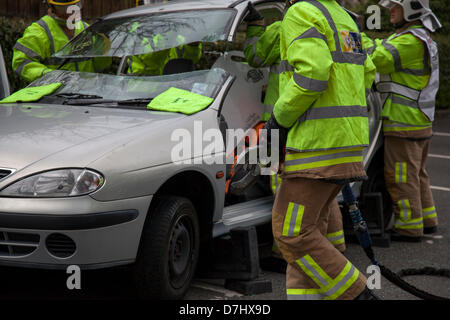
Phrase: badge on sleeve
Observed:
(352, 42)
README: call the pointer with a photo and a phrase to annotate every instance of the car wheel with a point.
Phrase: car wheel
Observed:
(169, 250)
(376, 183)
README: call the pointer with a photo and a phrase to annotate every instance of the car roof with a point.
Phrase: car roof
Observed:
(175, 5)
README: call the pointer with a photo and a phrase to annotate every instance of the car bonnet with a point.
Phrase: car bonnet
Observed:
(32, 132)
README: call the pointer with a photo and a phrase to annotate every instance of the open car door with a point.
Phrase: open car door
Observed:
(4, 83)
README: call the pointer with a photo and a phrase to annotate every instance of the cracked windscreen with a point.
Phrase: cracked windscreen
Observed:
(83, 88)
(137, 35)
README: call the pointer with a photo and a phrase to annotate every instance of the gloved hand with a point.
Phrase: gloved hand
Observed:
(272, 124)
(253, 14)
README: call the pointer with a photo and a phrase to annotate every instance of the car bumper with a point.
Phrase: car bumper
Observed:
(56, 233)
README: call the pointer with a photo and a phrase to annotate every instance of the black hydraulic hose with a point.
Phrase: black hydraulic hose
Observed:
(399, 282)
(363, 235)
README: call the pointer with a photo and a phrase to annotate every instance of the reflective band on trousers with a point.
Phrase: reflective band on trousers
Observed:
(293, 220)
(405, 209)
(333, 112)
(428, 213)
(405, 221)
(410, 224)
(400, 172)
(329, 289)
(336, 237)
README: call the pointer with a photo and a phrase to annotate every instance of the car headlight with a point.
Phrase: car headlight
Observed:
(56, 183)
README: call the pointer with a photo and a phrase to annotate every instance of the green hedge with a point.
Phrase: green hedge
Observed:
(12, 29)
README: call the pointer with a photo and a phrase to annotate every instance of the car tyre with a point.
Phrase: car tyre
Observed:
(169, 250)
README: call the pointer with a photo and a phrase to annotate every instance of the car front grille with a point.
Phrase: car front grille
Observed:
(13, 244)
(60, 245)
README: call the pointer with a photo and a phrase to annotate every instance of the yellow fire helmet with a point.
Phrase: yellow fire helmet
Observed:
(62, 2)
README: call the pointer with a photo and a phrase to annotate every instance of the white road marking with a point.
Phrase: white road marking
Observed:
(440, 188)
(440, 156)
(205, 286)
(441, 134)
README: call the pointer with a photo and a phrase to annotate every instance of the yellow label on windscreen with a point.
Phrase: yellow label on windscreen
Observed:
(31, 94)
(179, 100)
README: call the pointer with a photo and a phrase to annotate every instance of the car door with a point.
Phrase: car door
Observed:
(243, 105)
(4, 83)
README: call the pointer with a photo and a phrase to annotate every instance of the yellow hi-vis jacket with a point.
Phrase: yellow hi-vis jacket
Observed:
(32, 53)
(262, 49)
(408, 64)
(323, 86)
(153, 63)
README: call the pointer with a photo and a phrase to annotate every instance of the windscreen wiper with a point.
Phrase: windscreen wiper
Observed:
(90, 101)
(77, 96)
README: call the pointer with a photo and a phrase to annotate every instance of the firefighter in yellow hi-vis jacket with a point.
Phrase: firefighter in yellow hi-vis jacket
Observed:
(409, 67)
(322, 119)
(32, 52)
(262, 49)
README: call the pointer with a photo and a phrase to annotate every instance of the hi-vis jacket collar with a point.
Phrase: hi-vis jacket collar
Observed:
(62, 3)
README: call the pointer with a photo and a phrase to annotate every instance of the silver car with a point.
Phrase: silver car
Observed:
(87, 173)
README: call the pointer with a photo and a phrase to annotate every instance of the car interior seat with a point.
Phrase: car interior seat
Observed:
(178, 66)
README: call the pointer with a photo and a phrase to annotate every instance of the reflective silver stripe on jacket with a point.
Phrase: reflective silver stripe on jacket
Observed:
(310, 84)
(251, 41)
(398, 61)
(392, 87)
(44, 25)
(311, 33)
(402, 125)
(302, 81)
(325, 157)
(338, 55)
(22, 65)
(348, 57)
(404, 102)
(276, 69)
(333, 112)
(426, 97)
(30, 53)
